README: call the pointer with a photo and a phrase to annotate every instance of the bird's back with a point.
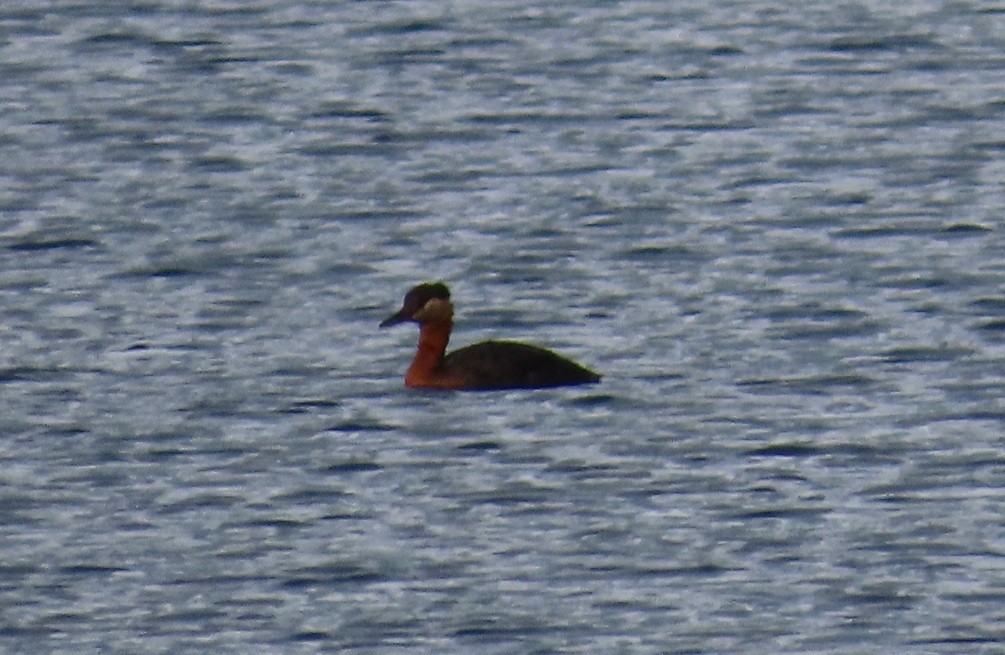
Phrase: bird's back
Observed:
(514, 365)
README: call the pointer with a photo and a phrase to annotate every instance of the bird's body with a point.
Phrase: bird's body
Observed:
(510, 364)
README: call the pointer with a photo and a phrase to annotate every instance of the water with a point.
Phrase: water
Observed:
(775, 229)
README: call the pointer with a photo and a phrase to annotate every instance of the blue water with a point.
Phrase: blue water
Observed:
(775, 228)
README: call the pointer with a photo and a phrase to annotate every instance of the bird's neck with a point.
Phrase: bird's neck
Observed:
(426, 369)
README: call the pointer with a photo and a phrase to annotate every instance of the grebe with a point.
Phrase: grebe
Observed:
(482, 366)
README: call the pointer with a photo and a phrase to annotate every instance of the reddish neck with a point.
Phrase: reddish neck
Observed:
(425, 370)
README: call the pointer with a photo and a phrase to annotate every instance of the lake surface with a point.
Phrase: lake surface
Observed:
(775, 228)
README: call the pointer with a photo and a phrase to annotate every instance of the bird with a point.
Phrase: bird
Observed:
(482, 366)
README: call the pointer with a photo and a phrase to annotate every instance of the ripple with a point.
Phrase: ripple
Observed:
(775, 227)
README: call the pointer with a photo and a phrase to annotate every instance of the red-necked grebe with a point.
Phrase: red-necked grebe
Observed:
(487, 365)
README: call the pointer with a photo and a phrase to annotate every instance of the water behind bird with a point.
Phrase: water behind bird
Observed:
(773, 229)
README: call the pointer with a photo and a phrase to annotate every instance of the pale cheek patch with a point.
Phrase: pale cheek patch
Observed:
(435, 310)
